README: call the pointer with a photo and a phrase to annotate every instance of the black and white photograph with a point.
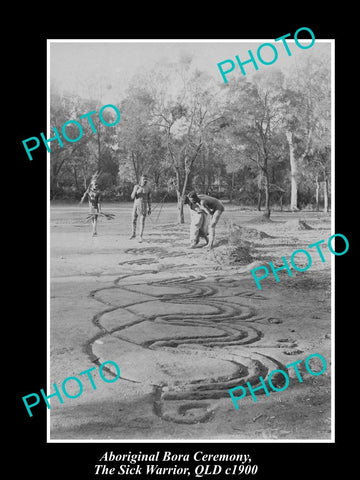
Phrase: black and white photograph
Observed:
(191, 240)
(180, 238)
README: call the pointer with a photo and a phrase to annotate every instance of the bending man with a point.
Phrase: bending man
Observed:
(141, 195)
(199, 224)
(213, 207)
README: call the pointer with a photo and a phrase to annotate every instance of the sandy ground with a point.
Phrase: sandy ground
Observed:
(185, 325)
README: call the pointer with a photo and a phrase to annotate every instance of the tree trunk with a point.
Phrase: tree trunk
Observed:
(99, 150)
(260, 182)
(136, 172)
(76, 179)
(181, 199)
(232, 188)
(180, 196)
(326, 196)
(56, 166)
(267, 195)
(52, 188)
(317, 191)
(231, 194)
(293, 172)
(181, 187)
(211, 181)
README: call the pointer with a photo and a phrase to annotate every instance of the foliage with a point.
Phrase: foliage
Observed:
(186, 131)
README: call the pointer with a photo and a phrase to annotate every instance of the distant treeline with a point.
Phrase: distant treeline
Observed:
(257, 142)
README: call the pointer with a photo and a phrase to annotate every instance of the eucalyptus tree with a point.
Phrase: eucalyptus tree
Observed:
(306, 113)
(253, 123)
(187, 110)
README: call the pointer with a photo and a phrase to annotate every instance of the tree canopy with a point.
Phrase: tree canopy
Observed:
(263, 140)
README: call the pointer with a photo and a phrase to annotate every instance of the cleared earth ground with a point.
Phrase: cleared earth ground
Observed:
(186, 325)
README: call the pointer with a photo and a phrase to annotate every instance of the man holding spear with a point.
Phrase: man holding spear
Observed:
(141, 195)
(94, 196)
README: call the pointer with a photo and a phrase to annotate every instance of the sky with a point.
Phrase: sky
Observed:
(76, 64)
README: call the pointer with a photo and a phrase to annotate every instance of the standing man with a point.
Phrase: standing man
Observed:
(141, 195)
(213, 207)
(94, 196)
